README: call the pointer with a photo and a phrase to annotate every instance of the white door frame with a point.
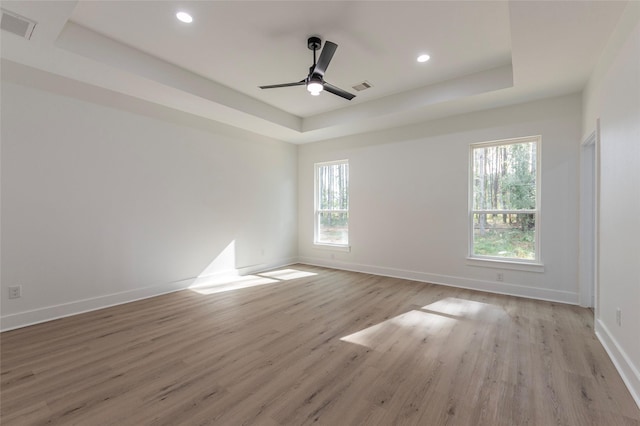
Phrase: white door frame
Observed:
(589, 203)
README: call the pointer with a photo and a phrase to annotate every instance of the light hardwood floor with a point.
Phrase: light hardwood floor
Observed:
(332, 348)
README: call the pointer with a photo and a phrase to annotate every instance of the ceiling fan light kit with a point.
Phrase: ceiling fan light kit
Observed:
(314, 86)
(315, 79)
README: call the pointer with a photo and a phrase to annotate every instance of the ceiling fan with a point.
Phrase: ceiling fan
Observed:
(315, 80)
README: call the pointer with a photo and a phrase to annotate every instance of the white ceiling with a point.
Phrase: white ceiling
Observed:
(483, 54)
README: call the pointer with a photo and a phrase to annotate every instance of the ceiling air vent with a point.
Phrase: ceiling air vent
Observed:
(16, 24)
(362, 86)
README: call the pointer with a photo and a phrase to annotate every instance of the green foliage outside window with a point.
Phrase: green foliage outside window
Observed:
(504, 200)
(332, 203)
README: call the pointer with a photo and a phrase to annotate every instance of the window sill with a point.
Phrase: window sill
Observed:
(505, 264)
(332, 247)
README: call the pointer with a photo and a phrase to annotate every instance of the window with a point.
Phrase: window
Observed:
(505, 200)
(332, 203)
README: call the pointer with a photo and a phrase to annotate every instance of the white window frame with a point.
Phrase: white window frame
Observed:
(318, 211)
(534, 265)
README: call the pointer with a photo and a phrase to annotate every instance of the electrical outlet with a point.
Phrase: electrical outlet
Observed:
(619, 316)
(15, 291)
(500, 276)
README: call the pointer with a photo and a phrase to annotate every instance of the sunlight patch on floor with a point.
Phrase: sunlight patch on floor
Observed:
(461, 308)
(287, 274)
(228, 282)
(415, 323)
(219, 285)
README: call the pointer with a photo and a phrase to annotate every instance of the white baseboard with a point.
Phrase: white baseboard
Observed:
(451, 281)
(26, 318)
(621, 361)
(49, 313)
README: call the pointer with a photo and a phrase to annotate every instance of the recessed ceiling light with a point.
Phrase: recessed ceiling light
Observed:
(423, 58)
(184, 17)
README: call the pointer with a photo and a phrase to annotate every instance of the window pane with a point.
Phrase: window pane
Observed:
(505, 235)
(504, 177)
(333, 187)
(333, 228)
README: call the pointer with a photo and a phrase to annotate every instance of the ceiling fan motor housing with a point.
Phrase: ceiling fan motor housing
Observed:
(314, 43)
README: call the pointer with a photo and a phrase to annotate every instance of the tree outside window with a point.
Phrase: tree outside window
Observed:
(332, 203)
(504, 212)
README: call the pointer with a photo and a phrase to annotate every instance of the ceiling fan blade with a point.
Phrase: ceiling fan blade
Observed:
(275, 86)
(337, 91)
(325, 57)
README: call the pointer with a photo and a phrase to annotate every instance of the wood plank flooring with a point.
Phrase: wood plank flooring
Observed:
(330, 348)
